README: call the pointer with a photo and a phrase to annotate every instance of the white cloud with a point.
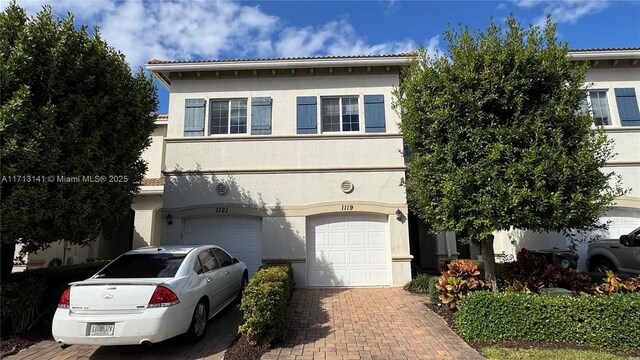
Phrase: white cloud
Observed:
(333, 38)
(186, 30)
(568, 11)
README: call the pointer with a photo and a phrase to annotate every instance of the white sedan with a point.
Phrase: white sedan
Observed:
(149, 295)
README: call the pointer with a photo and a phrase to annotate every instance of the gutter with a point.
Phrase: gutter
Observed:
(280, 64)
(604, 55)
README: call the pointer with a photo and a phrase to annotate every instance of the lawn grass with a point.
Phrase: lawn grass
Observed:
(550, 354)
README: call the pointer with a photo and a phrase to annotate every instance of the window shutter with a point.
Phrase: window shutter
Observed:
(307, 115)
(628, 106)
(374, 120)
(261, 116)
(194, 117)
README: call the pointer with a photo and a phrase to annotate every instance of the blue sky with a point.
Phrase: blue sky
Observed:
(203, 29)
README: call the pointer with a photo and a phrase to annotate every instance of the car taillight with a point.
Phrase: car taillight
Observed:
(163, 297)
(65, 299)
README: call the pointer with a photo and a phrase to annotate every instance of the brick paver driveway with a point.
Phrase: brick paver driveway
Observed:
(366, 324)
(220, 333)
(323, 324)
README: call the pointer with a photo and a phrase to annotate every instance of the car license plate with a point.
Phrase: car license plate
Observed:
(101, 329)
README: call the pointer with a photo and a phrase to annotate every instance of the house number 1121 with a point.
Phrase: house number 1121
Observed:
(347, 207)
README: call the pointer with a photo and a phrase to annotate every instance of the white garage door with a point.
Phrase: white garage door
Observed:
(348, 250)
(240, 236)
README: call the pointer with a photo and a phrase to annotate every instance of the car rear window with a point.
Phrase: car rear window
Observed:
(143, 266)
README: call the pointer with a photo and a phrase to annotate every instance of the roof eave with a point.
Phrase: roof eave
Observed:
(604, 55)
(279, 64)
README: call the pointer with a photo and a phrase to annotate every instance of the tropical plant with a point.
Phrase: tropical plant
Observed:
(460, 279)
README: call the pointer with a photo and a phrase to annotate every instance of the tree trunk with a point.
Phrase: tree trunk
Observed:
(6, 261)
(489, 259)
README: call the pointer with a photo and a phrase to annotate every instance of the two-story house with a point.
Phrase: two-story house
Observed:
(297, 159)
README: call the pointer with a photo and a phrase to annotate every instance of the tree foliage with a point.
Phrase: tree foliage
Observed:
(495, 137)
(70, 107)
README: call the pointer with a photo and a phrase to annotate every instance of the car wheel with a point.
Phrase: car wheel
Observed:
(243, 285)
(198, 325)
(602, 265)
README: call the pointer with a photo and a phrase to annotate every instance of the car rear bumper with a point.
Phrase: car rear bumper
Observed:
(151, 325)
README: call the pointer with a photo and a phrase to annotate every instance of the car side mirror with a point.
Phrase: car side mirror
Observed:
(235, 261)
(624, 240)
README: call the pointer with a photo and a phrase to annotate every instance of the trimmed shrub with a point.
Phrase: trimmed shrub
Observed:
(462, 278)
(419, 284)
(610, 322)
(31, 297)
(264, 303)
(277, 271)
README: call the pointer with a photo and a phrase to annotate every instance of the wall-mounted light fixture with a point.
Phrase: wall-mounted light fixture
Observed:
(169, 219)
(398, 215)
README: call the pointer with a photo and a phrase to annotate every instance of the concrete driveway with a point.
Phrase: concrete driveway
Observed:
(220, 333)
(366, 323)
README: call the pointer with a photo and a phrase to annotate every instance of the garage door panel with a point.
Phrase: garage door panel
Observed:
(377, 238)
(348, 250)
(338, 258)
(378, 257)
(359, 277)
(358, 257)
(336, 239)
(240, 236)
(357, 238)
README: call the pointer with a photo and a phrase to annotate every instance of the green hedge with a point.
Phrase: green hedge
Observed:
(610, 322)
(264, 303)
(30, 297)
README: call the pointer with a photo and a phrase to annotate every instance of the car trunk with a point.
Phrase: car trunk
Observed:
(112, 296)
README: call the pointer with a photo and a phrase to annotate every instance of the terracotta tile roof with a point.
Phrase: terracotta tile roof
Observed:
(152, 182)
(155, 61)
(162, 116)
(605, 49)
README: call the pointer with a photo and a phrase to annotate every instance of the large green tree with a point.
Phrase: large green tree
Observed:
(496, 140)
(70, 107)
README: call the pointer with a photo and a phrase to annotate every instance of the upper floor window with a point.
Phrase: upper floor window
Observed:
(340, 114)
(228, 116)
(595, 104)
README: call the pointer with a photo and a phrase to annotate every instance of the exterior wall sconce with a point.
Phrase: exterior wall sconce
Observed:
(398, 215)
(169, 219)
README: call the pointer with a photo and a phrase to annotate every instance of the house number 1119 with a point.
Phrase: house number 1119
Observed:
(347, 207)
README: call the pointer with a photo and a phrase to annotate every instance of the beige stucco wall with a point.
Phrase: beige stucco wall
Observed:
(147, 220)
(285, 153)
(154, 154)
(283, 91)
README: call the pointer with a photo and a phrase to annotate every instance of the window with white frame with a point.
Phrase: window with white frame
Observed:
(595, 104)
(340, 114)
(228, 116)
